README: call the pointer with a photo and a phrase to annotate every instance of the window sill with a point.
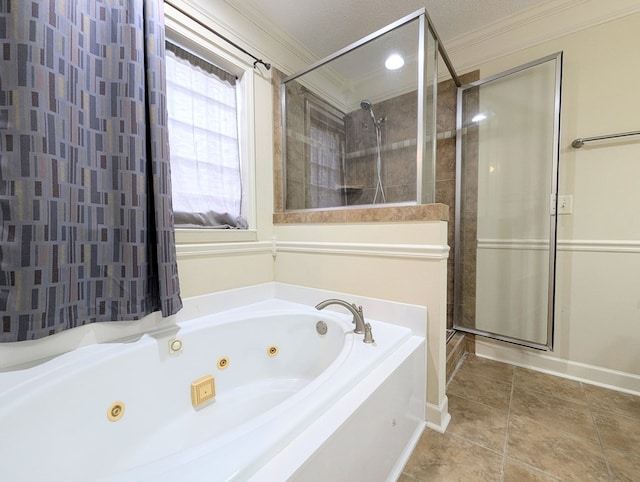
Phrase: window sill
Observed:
(185, 236)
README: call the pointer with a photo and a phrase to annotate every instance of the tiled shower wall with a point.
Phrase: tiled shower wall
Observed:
(398, 151)
(446, 191)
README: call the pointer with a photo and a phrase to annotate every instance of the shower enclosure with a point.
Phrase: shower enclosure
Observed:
(359, 132)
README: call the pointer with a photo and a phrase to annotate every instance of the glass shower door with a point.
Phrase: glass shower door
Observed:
(507, 170)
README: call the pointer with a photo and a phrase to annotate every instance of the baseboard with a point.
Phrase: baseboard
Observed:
(437, 416)
(591, 374)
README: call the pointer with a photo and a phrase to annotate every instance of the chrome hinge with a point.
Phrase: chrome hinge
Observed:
(553, 203)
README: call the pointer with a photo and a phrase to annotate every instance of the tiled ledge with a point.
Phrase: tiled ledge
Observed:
(418, 212)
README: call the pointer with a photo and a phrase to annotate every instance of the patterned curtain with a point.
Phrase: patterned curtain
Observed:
(86, 226)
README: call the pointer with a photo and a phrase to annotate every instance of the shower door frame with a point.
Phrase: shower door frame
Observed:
(458, 282)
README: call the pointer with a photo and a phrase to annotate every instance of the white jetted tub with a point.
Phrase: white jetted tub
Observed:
(125, 411)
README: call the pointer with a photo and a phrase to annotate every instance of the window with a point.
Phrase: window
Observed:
(204, 102)
(326, 153)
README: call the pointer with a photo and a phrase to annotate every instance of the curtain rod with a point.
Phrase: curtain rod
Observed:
(202, 24)
(577, 143)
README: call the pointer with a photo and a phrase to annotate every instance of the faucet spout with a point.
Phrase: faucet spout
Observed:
(356, 311)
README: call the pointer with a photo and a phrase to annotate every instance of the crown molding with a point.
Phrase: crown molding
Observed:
(329, 84)
(544, 22)
(292, 55)
(245, 26)
(243, 22)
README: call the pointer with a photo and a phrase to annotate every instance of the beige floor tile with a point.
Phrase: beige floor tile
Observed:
(618, 432)
(515, 471)
(517, 425)
(405, 478)
(443, 457)
(480, 389)
(623, 465)
(488, 368)
(554, 413)
(478, 423)
(613, 401)
(549, 384)
(555, 452)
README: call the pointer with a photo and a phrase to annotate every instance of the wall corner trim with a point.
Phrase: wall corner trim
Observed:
(438, 416)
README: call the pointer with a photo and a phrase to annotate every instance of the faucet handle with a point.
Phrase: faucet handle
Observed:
(368, 335)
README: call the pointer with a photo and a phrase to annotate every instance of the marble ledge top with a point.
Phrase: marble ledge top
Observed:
(418, 212)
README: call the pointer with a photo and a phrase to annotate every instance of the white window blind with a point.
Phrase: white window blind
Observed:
(203, 136)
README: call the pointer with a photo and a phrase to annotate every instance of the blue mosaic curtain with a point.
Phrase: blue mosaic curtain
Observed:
(86, 227)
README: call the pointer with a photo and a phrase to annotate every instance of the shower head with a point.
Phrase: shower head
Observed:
(366, 105)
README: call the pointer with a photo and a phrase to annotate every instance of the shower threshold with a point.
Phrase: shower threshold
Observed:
(450, 333)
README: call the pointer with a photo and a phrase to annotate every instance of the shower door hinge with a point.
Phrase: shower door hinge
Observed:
(553, 204)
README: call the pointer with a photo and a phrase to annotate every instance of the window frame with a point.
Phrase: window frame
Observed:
(314, 111)
(180, 31)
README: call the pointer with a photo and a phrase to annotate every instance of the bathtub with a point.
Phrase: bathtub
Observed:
(123, 411)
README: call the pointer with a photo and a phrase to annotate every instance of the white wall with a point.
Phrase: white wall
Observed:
(598, 271)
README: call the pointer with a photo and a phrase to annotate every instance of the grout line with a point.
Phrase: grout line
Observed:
(591, 406)
(409, 476)
(538, 470)
(595, 426)
(506, 437)
(464, 356)
(473, 442)
(506, 442)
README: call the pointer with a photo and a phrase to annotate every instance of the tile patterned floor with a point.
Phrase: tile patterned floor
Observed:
(517, 425)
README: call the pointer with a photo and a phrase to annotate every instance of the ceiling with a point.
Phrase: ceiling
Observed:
(326, 26)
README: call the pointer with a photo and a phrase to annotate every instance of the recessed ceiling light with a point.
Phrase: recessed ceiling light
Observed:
(394, 62)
